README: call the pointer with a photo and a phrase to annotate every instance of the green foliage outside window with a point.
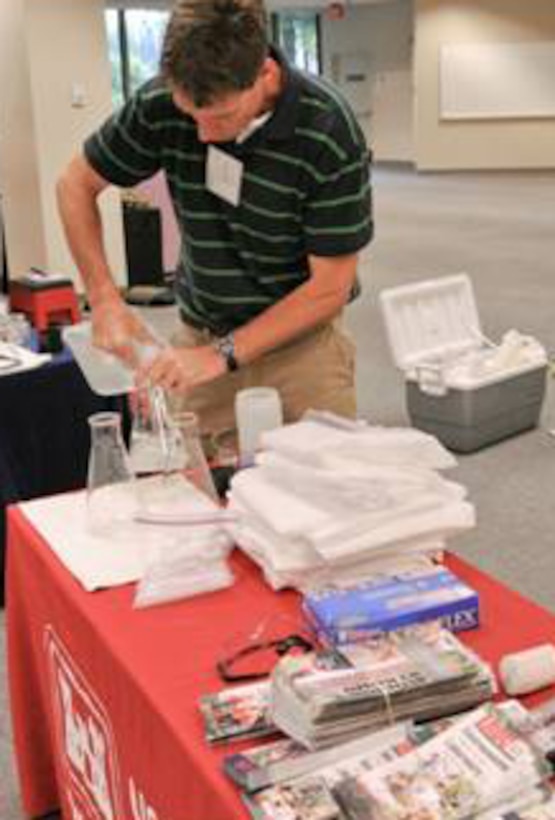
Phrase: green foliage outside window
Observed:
(114, 53)
(135, 39)
(298, 34)
(145, 34)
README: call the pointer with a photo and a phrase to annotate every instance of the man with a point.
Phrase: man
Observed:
(268, 172)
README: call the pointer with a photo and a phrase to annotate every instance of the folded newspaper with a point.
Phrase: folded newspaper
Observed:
(541, 729)
(477, 765)
(419, 673)
(535, 804)
(311, 797)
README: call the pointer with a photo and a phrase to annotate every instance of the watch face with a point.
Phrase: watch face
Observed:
(226, 347)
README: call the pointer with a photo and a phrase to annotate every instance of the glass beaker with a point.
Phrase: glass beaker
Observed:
(110, 482)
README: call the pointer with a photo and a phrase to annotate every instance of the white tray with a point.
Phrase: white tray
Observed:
(105, 373)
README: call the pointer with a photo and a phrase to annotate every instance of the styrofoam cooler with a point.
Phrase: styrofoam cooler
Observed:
(434, 333)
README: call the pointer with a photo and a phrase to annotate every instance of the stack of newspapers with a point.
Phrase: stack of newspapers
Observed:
(240, 712)
(354, 495)
(420, 673)
(478, 765)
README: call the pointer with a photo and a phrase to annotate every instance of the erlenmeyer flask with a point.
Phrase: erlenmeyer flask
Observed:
(110, 487)
(195, 466)
(170, 498)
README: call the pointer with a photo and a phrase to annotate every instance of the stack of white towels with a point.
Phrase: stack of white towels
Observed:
(333, 500)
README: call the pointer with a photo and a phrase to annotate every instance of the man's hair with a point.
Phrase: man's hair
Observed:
(214, 47)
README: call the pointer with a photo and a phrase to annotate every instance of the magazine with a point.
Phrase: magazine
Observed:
(236, 713)
(467, 769)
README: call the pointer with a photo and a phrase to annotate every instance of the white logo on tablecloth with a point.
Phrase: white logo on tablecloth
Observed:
(85, 738)
(139, 805)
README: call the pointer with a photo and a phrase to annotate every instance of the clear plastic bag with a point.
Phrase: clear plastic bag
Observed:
(186, 569)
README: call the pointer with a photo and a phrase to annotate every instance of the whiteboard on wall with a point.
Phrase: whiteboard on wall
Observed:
(497, 80)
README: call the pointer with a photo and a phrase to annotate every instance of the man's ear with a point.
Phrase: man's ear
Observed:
(270, 74)
(267, 67)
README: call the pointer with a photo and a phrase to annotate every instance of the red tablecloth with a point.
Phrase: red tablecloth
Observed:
(104, 697)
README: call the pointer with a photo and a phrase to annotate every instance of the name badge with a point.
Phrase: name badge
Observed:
(224, 175)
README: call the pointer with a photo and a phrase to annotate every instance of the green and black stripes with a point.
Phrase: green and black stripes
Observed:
(305, 191)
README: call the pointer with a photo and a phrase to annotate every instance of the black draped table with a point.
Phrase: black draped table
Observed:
(44, 435)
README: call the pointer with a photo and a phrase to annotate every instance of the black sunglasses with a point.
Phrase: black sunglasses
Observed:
(279, 647)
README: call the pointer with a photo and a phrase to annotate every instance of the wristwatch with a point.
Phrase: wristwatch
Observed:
(225, 345)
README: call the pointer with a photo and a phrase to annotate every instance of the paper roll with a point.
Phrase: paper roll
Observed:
(257, 409)
(527, 671)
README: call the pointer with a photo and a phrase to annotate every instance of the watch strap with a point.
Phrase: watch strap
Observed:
(225, 345)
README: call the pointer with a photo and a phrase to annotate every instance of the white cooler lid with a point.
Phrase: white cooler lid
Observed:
(431, 320)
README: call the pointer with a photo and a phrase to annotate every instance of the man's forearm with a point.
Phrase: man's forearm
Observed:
(115, 326)
(309, 305)
(180, 369)
(83, 228)
(319, 299)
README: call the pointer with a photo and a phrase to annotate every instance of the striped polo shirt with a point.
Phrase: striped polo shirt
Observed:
(305, 190)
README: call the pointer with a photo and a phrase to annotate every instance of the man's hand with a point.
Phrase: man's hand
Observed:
(119, 330)
(180, 369)
(116, 328)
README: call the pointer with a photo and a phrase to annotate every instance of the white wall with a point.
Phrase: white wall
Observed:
(403, 87)
(508, 143)
(380, 35)
(19, 179)
(45, 47)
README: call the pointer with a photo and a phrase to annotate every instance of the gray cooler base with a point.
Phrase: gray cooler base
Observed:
(466, 420)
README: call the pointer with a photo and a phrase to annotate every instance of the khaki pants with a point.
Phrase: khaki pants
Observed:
(315, 371)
